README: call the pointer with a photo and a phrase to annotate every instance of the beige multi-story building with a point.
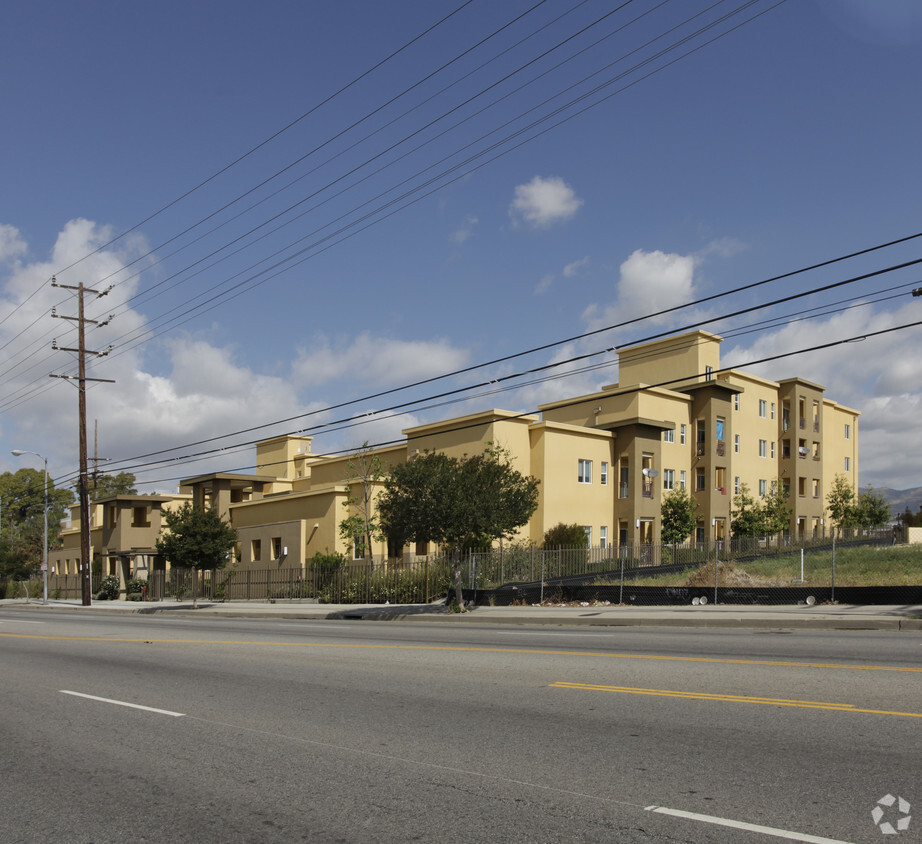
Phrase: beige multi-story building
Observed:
(675, 419)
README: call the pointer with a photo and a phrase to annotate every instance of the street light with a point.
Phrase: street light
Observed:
(18, 452)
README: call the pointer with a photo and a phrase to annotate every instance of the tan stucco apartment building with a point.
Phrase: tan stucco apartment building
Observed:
(604, 460)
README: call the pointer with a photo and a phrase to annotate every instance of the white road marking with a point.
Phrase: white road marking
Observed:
(124, 703)
(749, 827)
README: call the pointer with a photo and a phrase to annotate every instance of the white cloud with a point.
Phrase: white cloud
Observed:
(465, 231)
(573, 268)
(544, 201)
(648, 282)
(378, 360)
(544, 285)
(12, 245)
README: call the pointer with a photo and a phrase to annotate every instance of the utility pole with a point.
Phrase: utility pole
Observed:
(81, 351)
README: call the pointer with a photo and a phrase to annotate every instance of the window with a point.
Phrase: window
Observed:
(763, 408)
(603, 537)
(699, 480)
(256, 550)
(719, 429)
(736, 485)
(682, 430)
(669, 435)
(773, 410)
(709, 373)
(736, 443)
(682, 479)
(358, 547)
(816, 488)
(140, 517)
(763, 488)
(603, 474)
(763, 448)
(848, 464)
(720, 479)
(588, 531)
(276, 548)
(585, 472)
(773, 450)
(668, 479)
(848, 432)
(422, 548)
(624, 486)
(736, 401)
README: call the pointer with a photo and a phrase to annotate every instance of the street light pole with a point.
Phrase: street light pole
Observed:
(18, 453)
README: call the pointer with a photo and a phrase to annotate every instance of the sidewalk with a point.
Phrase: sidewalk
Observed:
(794, 617)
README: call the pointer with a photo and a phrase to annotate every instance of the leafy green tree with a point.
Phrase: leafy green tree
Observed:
(365, 473)
(776, 512)
(565, 536)
(22, 505)
(678, 516)
(841, 503)
(196, 539)
(746, 516)
(104, 486)
(459, 503)
(872, 510)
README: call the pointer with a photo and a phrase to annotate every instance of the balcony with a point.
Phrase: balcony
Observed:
(647, 490)
(701, 449)
(721, 448)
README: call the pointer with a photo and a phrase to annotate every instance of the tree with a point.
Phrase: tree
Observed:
(842, 504)
(121, 484)
(459, 503)
(196, 539)
(776, 513)
(22, 504)
(365, 472)
(565, 536)
(678, 516)
(746, 517)
(872, 510)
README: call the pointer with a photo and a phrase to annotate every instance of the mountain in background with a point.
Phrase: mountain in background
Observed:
(899, 499)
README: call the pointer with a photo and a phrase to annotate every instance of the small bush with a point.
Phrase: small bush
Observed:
(108, 589)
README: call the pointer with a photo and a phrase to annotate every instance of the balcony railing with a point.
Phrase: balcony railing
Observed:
(647, 490)
(701, 449)
(721, 448)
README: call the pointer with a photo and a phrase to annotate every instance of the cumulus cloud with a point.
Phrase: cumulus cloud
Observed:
(543, 202)
(12, 245)
(378, 360)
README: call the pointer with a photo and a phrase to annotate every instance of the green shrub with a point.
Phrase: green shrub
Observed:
(108, 589)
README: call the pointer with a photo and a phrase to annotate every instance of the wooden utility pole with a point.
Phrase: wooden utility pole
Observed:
(86, 583)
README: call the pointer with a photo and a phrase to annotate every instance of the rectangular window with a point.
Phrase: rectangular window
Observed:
(848, 432)
(588, 531)
(358, 547)
(585, 472)
(624, 486)
(848, 464)
(699, 480)
(773, 410)
(276, 548)
(668, 479)
(763, 448)
(720, 479)
(816, 488)
(140, 518)
(719, 429)
(603, 474)
(256, 550)
(422, 549)
(682, 479)
(763, 488)
(736, 485)
(709, 373)
(669, 435)
(773, 450)
(682, 430)
(736, 443)
(603, 537)
(736, 401)
(763, 408)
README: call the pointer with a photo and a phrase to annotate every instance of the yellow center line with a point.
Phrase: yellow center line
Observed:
(465, 649)
(727, 698)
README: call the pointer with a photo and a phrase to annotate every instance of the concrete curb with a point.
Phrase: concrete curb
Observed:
(842, 618)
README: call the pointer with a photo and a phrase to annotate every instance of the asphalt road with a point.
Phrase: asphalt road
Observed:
(244, 730)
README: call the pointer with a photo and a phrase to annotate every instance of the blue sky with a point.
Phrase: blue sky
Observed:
(785, 142)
